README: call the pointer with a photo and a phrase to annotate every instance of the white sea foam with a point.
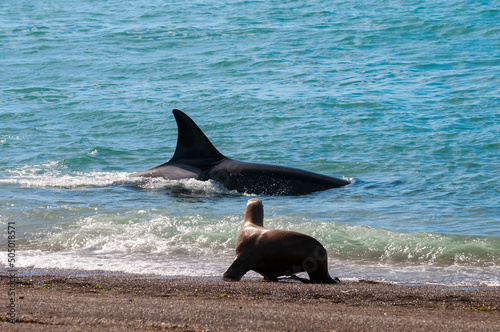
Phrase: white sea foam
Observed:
(188, 186)
(138, 264)
(54, 174)
(215, 267)
(145, 242)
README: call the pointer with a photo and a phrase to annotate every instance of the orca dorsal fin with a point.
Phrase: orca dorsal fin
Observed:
(193, 147)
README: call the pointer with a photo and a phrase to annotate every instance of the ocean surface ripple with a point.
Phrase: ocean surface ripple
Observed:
(401, 98)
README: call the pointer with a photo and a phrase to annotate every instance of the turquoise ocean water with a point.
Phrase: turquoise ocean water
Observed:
(402, 98)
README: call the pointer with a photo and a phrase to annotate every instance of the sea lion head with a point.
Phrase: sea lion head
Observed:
(254, 212)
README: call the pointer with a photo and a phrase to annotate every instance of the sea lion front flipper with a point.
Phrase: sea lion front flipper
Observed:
(237, 270)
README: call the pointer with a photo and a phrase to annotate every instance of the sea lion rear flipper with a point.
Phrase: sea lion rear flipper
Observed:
(296, 277)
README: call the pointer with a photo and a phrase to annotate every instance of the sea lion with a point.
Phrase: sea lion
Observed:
(276, 253)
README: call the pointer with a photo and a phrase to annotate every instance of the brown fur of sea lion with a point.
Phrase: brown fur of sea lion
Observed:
(276, 253)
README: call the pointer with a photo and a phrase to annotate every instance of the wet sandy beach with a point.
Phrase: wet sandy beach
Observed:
(117, 303)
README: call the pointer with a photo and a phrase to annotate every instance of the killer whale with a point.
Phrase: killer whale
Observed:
(196, 157)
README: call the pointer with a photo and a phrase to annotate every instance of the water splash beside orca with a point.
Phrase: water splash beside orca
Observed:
(195, 157)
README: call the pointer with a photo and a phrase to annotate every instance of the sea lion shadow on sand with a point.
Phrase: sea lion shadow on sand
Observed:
(276, 253)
